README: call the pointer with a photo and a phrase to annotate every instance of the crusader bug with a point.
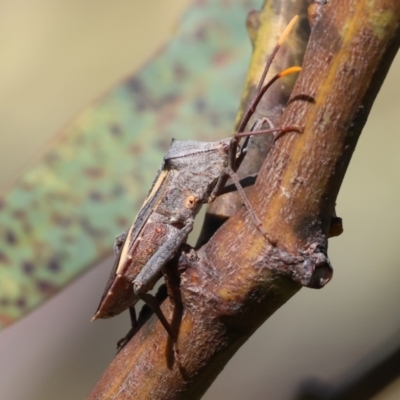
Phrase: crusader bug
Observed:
(192, 173)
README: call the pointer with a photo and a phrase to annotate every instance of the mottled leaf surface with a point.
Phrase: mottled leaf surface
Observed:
(62, 215)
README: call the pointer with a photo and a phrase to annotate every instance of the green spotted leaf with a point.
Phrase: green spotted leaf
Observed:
(61, 217)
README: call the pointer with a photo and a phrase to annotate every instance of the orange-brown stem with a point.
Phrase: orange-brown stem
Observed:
(238, 279)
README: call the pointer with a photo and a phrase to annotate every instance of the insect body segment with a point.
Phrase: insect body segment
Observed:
(186, 180)
(192, 173)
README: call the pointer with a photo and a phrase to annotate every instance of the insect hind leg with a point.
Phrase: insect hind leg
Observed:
(134, 326)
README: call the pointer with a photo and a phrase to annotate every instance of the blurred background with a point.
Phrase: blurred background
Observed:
(56, 58)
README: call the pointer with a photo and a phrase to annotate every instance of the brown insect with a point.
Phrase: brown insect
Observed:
(192, 173)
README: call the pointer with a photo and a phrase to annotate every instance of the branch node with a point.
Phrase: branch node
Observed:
(311, 268)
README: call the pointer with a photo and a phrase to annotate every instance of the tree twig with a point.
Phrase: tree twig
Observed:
(238, 279)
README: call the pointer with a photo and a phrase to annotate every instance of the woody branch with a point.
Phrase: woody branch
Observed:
(239, 279)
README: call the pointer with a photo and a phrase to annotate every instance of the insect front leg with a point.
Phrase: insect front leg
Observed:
(218, 188)
(149, 274)
(235, 162)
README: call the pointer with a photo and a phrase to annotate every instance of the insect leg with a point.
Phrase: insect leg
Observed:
(244, 182)
(234, 160)
(151, 301)
(145, 280)
(256, 127)
(132, 314)
(148, 276)
(234, 163)
(247, 204)
(122, 342)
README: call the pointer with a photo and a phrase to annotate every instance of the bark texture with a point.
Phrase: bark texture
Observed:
(264, 27)
(238, 279)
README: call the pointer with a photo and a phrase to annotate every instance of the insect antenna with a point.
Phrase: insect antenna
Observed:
(257, 99)
(260, 89)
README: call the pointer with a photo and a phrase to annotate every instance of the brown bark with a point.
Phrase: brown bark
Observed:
(264, 27)
(238, 279)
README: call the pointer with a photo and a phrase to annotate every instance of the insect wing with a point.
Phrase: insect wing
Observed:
(118, 293)
(186, 148)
